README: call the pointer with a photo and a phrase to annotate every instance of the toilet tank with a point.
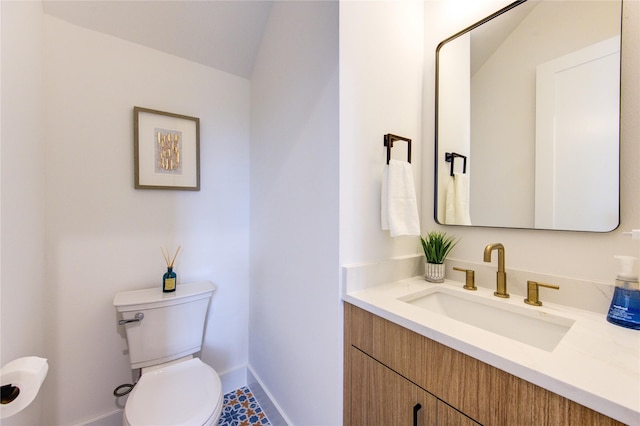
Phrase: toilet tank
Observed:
(173, 323)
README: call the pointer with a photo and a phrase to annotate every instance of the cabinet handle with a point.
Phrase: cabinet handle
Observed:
(416, 408)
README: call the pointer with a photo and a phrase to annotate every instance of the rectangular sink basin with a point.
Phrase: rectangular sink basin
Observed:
(532, 326)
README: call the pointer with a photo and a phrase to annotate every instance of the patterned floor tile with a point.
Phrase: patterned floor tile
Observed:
(241, 409)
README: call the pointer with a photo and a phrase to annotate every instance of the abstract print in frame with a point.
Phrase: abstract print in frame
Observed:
(166, 150)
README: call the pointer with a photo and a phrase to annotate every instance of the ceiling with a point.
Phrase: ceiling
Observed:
(222, 34)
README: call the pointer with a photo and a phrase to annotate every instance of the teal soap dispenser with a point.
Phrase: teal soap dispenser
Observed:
(625, 305)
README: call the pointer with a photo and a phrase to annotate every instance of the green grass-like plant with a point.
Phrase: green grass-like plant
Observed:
(437, 246)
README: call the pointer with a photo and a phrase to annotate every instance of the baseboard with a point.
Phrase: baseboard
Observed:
(113, 418)
(267, 402)
(233, 379)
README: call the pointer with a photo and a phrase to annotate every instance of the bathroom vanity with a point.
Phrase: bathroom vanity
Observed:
(389, 370)
(408, 363)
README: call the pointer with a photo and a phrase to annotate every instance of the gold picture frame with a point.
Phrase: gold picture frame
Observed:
(166, 150)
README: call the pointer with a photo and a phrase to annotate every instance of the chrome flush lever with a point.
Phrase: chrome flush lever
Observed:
(136, 318)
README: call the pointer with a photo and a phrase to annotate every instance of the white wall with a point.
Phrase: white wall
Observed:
(570, 254)
(295, 320)
(102, 236)
(22, 192)
(381, 53)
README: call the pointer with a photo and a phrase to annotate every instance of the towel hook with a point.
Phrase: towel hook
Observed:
(389, 139)
(449, 157)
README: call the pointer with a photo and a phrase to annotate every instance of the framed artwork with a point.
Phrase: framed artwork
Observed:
(166, 150)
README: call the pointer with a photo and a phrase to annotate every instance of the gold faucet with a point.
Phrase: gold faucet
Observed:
(501, 275)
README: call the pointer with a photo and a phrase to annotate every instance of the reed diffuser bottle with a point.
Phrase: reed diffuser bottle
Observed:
(169, 279)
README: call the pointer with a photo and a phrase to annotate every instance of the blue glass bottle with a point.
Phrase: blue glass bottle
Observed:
(169, 281)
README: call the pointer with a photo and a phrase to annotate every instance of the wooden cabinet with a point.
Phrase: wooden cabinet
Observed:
(389, 369)
(381, 396)
(449, 416)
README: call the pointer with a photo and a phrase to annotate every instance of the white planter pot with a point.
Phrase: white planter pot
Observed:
(434, 272)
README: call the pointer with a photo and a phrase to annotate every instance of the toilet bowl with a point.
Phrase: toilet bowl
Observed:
(185, 393)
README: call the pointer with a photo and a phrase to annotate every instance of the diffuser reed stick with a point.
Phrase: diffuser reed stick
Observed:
(166, 256)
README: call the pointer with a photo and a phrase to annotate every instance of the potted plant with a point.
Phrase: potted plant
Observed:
(436, 246)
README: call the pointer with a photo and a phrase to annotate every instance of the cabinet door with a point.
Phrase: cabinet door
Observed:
(449, 416)
(380, 396)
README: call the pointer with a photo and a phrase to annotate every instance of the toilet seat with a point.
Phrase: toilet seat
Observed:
(186, 393)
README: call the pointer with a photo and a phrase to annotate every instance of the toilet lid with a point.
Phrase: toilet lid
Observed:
(186, 393)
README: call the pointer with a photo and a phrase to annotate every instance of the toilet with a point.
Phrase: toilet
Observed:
(164, 331)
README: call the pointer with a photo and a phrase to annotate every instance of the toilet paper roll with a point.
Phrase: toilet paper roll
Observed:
(27, 374)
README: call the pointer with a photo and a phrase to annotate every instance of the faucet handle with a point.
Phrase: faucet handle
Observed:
(470, 278)
(533, 292)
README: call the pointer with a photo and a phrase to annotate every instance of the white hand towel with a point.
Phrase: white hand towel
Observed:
(384, 199)
(457, 202)
(399, 207)
(450, 203)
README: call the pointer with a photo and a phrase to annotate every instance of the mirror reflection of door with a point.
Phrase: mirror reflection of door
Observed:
(577, 132)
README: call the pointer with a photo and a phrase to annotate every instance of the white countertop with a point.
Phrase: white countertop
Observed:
(596, 364)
